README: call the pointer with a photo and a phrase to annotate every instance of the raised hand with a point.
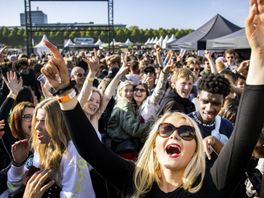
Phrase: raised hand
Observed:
(254, 25)
(243, 68)
(14, 85)
(35, 187)
(20, 151)
(56, 69)
(125, 64)
(93, 63)
(170, 65)
(1, 54)
(207, 55)
(254, 28)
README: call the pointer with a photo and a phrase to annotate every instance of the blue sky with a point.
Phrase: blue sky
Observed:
(143, 13)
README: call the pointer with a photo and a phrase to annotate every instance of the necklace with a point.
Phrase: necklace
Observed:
(201, 122)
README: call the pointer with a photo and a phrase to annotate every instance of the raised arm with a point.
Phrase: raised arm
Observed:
(83, 135)
(110, 90)
(233, 159)
(93, 65)
(160, 87)
(14, 85)
(208, 56)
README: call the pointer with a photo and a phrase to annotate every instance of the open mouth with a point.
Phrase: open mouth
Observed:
(92, 108)
(209, 115)
(139, 96)
(173, 150)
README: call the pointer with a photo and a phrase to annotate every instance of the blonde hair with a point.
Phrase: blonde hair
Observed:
(50, 154)
(94, 90)
(147, 169)
(220, 66)
(121, 86)
(182, 73)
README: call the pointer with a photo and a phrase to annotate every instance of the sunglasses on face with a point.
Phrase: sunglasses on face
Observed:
(185, 132)
(139, 90)
(194, 69)
(27, 117)
(80, 75)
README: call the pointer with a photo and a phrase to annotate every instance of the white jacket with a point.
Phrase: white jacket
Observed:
(73, 176)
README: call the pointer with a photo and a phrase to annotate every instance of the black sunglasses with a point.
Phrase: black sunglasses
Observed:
(140, 90)
(194, 69)
(185, 132)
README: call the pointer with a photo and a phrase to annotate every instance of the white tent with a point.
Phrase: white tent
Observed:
(147, 42)
(151, 41)
(155, 40)
(164, 42)
(99, 43)
(69, 43)
(113, 42)
(171, 39)
(41, 48)
(128, 42)
(159, 42)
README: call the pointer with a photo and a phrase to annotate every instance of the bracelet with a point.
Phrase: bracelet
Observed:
(90, 80)
(18, 164)
(67, 98)
(55, 92)
(12, 95)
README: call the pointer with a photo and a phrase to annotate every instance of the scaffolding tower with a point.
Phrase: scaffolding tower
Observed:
(30, 29)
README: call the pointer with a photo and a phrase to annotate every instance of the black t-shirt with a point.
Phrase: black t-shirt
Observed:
(220, 180)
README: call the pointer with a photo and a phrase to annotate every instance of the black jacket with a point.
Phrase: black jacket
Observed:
(173, 102)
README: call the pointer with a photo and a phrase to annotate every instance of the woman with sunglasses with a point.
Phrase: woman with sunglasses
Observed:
(125, 127)
(172, 163)
(148, 105)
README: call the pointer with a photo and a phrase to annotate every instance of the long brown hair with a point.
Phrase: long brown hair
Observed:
(16, 120)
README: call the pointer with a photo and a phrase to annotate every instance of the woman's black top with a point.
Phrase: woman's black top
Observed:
(220, 180)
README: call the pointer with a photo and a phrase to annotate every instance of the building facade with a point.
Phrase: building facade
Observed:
(37, 17)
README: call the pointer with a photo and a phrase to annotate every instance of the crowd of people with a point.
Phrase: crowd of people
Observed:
(145, 123)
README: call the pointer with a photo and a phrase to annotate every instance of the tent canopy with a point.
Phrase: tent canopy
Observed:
(215, 27)
(236, 40)
(69, 43)
(41, 48)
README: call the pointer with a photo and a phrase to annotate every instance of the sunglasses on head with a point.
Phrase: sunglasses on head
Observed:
(185, 132)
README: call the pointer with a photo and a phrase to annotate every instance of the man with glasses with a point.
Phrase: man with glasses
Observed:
(78, 75)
